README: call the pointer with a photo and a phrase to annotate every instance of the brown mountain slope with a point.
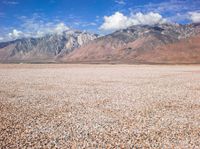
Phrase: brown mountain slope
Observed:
(144, 50)
(97, 51)
(184, 51)
(160, 43)
(140, 51)
(143, 44)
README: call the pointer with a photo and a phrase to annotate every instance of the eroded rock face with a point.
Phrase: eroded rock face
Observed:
(46, 48)
(137, 43)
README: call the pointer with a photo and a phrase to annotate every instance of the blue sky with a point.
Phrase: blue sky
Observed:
(21, 18)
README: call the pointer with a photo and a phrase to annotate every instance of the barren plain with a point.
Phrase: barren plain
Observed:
(99, 106)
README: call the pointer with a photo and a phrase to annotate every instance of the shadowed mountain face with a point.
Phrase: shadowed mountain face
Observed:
(44, 49)
(166, 43)
(162, 43)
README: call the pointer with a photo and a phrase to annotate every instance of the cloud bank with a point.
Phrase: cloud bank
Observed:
(120, 21)
(15, 34)
(195, 17)
(120, 2)
(33, 29)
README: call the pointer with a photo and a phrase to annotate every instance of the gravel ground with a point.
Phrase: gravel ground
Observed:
(99, 106)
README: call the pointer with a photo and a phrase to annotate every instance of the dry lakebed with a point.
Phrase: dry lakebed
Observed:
(99, 106)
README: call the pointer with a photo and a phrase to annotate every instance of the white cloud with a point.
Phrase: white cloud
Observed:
(10, 2)
(1, 38)
(195, 17)
(38, 28)
(149, 18)
(35, 29)
(120, 21)
(59, 28)
(116, 21)
(15, 34)
(176, 10)
(120, 2)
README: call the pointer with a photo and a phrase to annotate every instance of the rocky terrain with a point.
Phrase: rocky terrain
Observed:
(44, 49)
(160, 43)
(99, 106)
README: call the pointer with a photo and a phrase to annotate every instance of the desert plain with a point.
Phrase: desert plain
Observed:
(99, 106)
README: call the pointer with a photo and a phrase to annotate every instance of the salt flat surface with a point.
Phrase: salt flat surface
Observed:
(99, 106)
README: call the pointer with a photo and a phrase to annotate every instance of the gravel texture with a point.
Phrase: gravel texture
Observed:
(99, 106)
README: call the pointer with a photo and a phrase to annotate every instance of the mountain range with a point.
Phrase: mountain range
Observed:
(160, 43)
(44, 49)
